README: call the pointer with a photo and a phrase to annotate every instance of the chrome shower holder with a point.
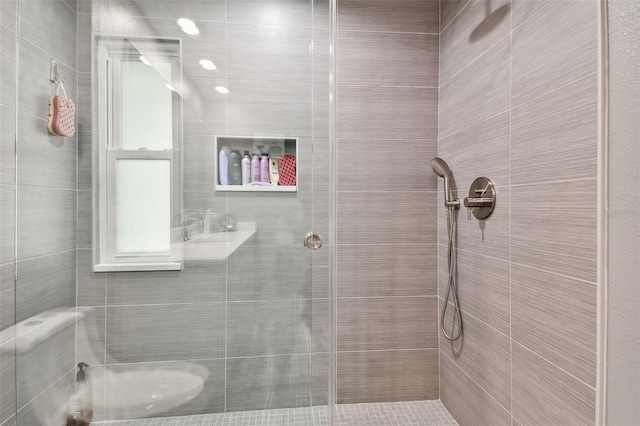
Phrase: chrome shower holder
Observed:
(482, 198)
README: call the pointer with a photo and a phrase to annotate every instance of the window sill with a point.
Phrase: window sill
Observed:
(137, 267)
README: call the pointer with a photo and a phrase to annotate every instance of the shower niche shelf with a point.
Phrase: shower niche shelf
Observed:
(274, 146)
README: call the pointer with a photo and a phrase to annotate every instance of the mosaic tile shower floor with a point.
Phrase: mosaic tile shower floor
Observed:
(423, 413)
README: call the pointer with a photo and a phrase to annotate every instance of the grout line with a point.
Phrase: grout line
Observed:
(387, 139)
(52, 188)
(477, 253)
(195, 360)
(554, 273)
(387, 244)
(543, 182)
(46, 54)
(509, 213)
(553, 365)
(312, 52)
(464, 129)
(455, 16)
(76, 209)
(175, 361)
(527, 19)
(396, 191)
(389, 350)
(70, 371)
(10, 421)
(564, 86)
(370, 87)
(479, 320)
(389, 32)
(511, 341)
(474, 381)
(474, 60)
(70, 7)
(425, 296)
(143, 305)
(226, 201)
(42, 256)
(438, 217)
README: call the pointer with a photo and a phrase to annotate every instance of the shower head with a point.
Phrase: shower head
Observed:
(441, 169)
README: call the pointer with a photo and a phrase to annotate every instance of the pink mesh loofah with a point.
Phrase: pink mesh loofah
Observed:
(287, 170)
(62, 112)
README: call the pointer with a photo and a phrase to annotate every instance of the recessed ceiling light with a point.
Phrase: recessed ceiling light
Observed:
(188, 26)
(222, 90)
(185, 22)
(191, 30)
(207, 64)
(144, 60)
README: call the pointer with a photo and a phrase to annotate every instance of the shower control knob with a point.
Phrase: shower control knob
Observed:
(482, 198)
(312, 241)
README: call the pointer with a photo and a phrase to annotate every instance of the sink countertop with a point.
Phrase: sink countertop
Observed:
(218, 245)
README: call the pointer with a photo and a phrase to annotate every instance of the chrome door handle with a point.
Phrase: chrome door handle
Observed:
(312, 241)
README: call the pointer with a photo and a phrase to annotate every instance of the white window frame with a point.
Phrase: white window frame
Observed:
(110, 51)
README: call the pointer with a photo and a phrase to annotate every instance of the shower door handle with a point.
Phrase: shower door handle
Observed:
(312, 241)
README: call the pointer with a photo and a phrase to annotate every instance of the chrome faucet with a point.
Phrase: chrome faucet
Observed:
(189, 223)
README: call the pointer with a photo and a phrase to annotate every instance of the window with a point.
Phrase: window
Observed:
(138, 192)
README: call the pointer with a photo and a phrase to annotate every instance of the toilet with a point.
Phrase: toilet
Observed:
(118, 391)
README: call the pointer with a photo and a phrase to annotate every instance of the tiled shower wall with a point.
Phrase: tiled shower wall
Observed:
(46, 188)
(247, 319)
(387, 289)
(387, 338)
(518, 104)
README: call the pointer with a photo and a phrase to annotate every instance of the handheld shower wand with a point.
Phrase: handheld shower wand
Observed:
(441, 169)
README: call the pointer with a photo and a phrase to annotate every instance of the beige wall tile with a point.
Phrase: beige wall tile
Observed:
(554, 137)
(366, 217)
(486, 91)
(557, 232)
(544, 394)
(387, 323)
(387, 270)
(478, 26)
(484, 354)
(483, 286)
(555, 317)
(387, 113)
(554, 47)
(391, 59)
(467, 402)
(387, 376)
(404, 164)
(418, 16)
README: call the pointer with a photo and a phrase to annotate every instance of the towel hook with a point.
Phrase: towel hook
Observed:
(55, 76)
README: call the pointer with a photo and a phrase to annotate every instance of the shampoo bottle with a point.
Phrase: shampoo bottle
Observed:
(235, 168)
(264, 168)
(80, 404)
(246, 168)
(223, 165)
(273, 171)
(255, 168)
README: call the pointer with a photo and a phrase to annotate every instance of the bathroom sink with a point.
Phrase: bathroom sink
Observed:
(146, 391)
(216, 238)
(218, 245)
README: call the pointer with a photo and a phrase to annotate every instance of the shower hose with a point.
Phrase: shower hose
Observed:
(452, 290)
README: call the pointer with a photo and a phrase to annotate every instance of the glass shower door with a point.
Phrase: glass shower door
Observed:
(137, 254)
